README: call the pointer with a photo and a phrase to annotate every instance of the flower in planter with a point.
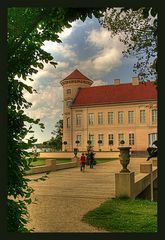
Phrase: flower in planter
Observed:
(77, 142)
(75, 150)
(110, 143)
(122, 142)
(89, 142)
(99, 142)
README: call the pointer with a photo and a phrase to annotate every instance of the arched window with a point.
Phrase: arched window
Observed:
(68, 122)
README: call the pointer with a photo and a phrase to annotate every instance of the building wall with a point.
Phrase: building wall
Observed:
(73, 85)
(140, 130)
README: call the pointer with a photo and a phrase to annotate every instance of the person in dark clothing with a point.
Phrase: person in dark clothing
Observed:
(91, 159)
(87, 157)
(153, 151)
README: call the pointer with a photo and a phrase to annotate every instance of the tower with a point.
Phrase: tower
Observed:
(71, 85)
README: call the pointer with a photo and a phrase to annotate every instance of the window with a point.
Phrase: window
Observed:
(78, 119)
(151, 138)
(68, 91)
(142, 116)
(90, 118)
(130, 116)
(131, 139)
(111, 140)
(68, 122)
(154, 116)
(68, 103)
(100, 118)
(120, 137)
(101, 137)
(78, 138)
(120, 117)
(110, 118)
(91, 138)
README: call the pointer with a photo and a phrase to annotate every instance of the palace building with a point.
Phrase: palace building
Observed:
(121, 111)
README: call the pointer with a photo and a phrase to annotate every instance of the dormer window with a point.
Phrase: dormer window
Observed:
(68, 103)
(68, 91)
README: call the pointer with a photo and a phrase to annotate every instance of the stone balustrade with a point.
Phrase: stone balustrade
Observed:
(50, 166)
(129, 185)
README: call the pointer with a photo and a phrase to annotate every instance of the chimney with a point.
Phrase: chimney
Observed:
(116, 81)
(135, 81)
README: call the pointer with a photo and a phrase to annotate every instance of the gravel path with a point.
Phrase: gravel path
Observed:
(67, 195)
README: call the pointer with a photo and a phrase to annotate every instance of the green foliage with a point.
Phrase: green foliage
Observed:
(137, 29)
(124, 215)
(58, 132)
(28, 28)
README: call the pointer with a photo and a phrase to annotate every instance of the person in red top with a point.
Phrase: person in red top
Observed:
(82, 162)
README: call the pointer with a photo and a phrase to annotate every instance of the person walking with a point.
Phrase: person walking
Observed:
(82, 162)
(91, 161)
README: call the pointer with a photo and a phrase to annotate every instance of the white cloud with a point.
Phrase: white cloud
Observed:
(99, 38)
(107, 60)
(99, 82)
(64, 49)
(68, 31)
(46, 103)
(108, 56)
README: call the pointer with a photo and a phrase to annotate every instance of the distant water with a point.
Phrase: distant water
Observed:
(39, 150)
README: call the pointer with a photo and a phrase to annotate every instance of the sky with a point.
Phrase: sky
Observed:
(88, 47)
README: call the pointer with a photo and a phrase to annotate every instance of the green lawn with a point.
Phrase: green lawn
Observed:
(41, 161)
(103, 160)
(124, 215)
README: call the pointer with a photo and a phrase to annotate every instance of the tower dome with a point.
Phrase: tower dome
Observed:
(71, 85)
(76, 77)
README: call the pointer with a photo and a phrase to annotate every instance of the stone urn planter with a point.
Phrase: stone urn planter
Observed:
(75, 158)
(124, 158)
(75, 152)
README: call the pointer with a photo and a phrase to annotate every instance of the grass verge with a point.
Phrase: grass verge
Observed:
(103, 160)
(124, 215)
(41, 161)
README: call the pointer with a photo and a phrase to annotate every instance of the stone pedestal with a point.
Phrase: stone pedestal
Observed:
(155, 161)
(145, 167)
(124, 184)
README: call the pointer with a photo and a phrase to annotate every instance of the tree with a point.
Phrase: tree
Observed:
(137, 29)
(28, 28)
(51, 143)
(58, 132)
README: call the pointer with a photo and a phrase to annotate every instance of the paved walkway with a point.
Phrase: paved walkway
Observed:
(67, 195)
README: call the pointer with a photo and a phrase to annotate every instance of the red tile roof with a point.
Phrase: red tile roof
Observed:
(76, 74)
(115, 94)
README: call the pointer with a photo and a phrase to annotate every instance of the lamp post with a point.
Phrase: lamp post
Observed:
(89, 142)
